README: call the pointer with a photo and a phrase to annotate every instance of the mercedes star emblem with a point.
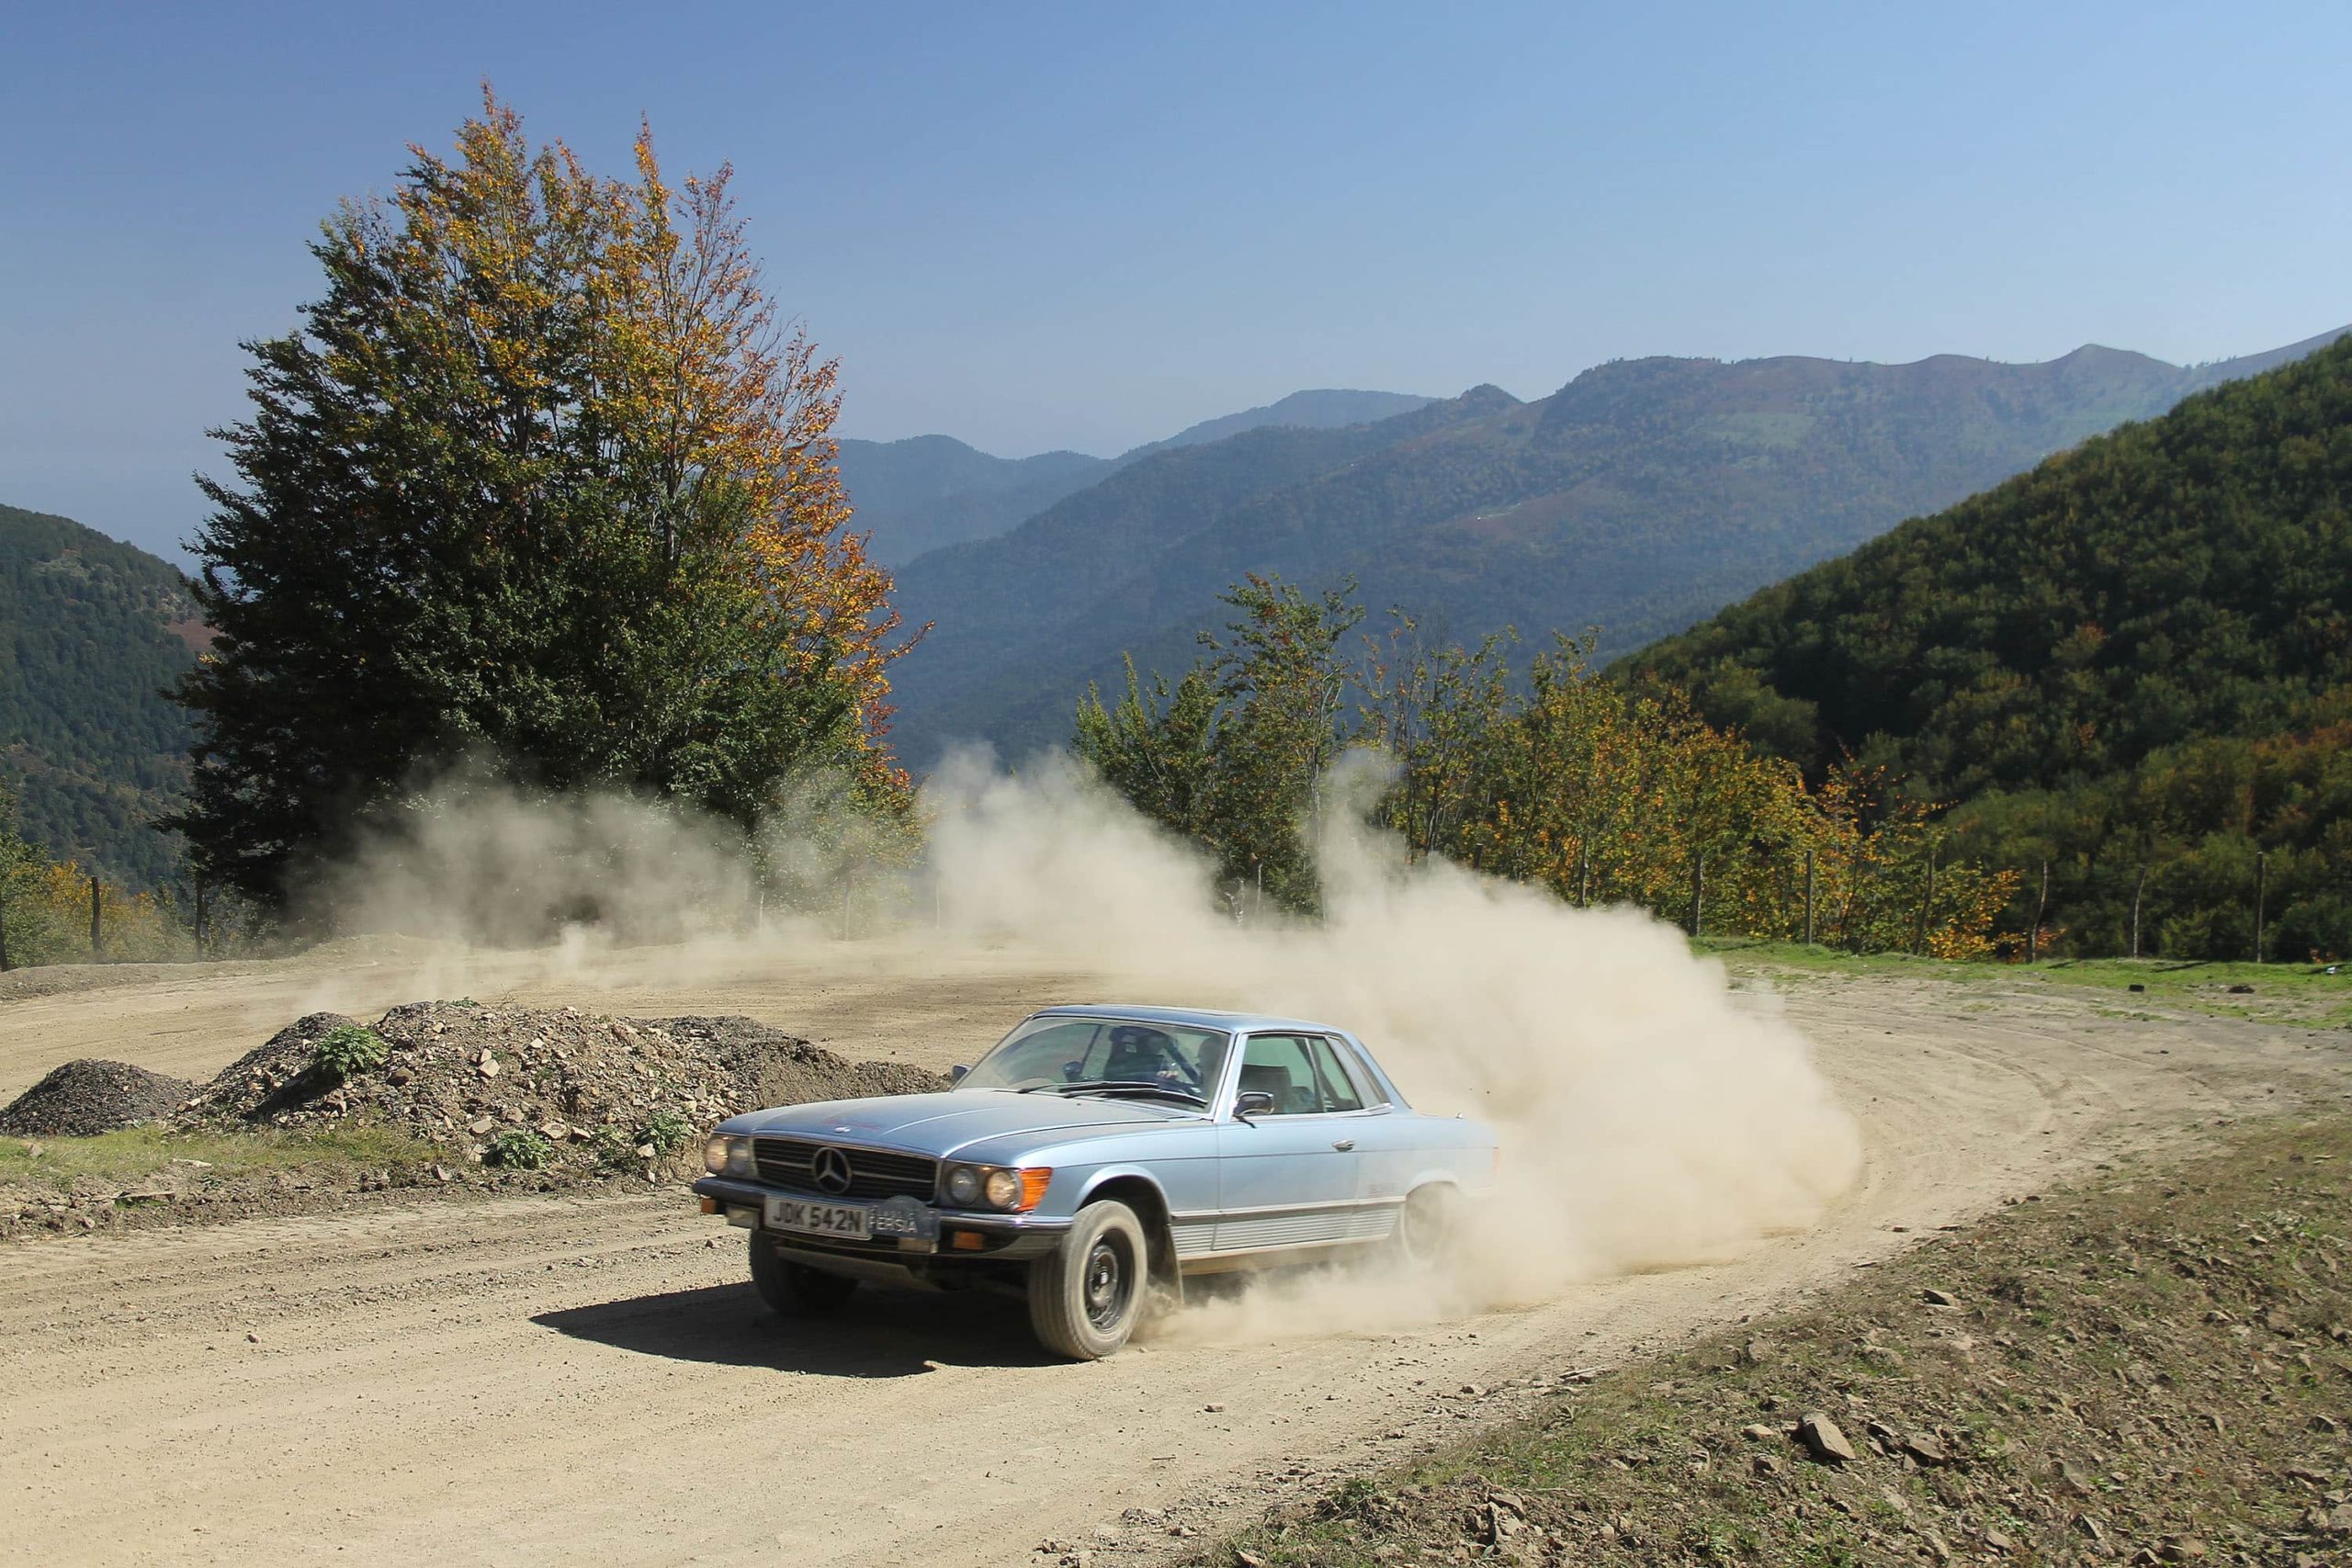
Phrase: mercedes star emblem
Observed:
(832, 1170)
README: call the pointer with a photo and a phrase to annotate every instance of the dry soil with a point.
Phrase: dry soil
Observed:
(566, 1378)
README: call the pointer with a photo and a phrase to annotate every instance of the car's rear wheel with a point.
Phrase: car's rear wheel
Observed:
(795, 1289)
(1427, 1227)
(1085, 1295)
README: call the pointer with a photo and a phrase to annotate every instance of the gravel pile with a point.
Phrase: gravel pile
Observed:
(782, 1070)
(92, 1096)
(600, 1090)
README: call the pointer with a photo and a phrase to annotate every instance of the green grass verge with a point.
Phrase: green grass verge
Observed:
(2298, 994)
(132, 1155)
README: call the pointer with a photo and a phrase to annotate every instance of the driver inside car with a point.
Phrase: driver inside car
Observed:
(1142, 1055)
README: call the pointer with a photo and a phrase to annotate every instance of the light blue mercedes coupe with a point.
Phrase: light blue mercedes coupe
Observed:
(1094, 1160)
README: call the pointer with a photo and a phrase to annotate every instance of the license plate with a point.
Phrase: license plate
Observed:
(853, 1221)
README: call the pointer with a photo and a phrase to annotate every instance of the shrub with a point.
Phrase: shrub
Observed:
(347, 1051)
(613, 1149)
(666, 1130)
(519, 1148)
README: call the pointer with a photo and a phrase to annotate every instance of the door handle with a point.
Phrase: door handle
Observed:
(1344, 1144)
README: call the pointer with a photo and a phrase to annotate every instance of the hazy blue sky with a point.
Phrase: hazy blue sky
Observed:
(1086, 226)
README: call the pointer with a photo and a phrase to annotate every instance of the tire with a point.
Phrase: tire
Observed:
(795, 1289)
(1086, 1294)
(1427, 1228)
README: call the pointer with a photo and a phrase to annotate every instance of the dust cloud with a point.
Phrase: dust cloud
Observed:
(1651, 1116)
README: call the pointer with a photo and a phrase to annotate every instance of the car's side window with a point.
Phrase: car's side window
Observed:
(1367, 1086)
(1300, 1071)
(1330, 1079)
(1276, 1065)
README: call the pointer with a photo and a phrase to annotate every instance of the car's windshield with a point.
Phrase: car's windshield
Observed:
(1068, 1055)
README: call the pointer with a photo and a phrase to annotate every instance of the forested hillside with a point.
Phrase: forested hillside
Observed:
(1016, 620)
(1640, 497)
(2134, 663)
(94, 630)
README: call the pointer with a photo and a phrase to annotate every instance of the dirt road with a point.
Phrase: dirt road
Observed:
(543, 1379)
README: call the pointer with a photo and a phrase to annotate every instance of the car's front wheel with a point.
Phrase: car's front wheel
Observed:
(1085, 1295)
(795, 1289)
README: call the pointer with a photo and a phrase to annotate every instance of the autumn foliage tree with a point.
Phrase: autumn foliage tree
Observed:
(542, 482)
(1604, 791)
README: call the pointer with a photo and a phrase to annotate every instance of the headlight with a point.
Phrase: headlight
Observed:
(724, 1156)
(963, 1185)
(1016, 1190)
(713, 1152)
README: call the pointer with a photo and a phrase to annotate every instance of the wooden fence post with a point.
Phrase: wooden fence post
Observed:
(1808, 897)
(95, 939)
(2034, 933)
(2138, 888)
(2261, 877)
(4, 965)
(1698, 888)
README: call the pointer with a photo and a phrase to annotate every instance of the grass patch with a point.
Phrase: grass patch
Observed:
(131, 1156)
(2296, 994)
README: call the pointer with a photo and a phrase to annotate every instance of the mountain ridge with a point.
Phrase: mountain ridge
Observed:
(926, 492)
(1640, 496)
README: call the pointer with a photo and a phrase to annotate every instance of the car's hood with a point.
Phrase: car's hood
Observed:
(941, 1123)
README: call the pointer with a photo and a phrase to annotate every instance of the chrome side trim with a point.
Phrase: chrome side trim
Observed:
(1250, 1256)
(1212, 1215)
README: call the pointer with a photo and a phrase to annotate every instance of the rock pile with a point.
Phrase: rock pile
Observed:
(601, 1090)
(91, 1096)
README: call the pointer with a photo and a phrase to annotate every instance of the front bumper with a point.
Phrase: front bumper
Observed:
(1007, 1238)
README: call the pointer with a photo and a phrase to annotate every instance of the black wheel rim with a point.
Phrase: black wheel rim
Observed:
(1109, 1283)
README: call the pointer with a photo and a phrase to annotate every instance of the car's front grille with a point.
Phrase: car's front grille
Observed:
(873, 1173)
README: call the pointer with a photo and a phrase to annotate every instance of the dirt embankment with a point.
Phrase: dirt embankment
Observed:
(2154, 1368)
(434, 1095)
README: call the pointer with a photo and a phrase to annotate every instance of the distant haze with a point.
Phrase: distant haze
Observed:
(928, 491)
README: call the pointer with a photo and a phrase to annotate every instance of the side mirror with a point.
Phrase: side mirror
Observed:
(956, 1074)
(1256, 1102)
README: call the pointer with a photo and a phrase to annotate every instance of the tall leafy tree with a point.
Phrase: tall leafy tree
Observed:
(1234, 755)
(20, 866)
(540, 479)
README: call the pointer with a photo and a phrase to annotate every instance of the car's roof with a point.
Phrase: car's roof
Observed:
(1188, 1017)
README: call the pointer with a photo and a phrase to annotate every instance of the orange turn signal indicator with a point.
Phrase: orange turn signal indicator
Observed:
(1033, 1179)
